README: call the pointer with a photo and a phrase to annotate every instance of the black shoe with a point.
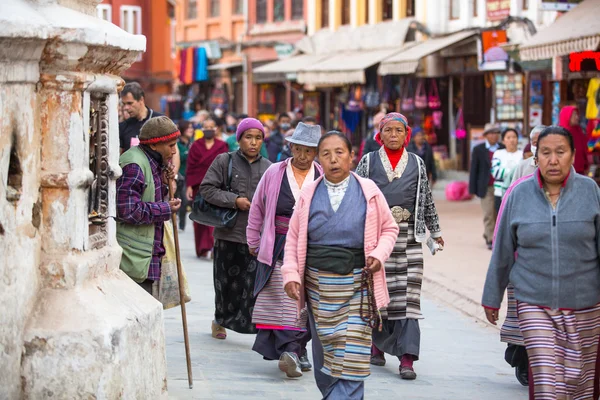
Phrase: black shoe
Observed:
(378, 359)
(305, 364)
(408, 373)
(522, 375)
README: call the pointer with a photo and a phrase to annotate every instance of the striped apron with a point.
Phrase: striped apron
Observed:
(562, 346)
(335, 303)
(273, 308)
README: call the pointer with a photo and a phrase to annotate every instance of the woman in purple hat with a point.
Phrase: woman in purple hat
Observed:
(234, 266)
(282, 335)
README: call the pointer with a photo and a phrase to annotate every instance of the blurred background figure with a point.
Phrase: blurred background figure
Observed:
(569, 119)
(420, 147)
(183, 145)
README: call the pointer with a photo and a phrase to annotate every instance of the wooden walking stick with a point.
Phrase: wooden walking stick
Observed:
(181, 294)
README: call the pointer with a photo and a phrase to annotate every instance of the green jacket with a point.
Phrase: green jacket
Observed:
(137, 241)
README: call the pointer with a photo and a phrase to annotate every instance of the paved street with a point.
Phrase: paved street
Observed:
(461, 358)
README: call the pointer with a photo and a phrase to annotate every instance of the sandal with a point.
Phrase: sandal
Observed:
(218, 332)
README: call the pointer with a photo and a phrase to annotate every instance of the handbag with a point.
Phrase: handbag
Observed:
(437, 119)
(408, 102)
(168, 285)
(420, 96)
(460, 131)
(433, 99)
(335, 259)
(210, 215)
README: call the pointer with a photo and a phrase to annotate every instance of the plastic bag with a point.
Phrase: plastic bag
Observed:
(458, 191)
(168, 286)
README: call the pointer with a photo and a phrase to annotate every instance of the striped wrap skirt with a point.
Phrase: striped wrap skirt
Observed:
(510, 332)
(562, 346)
(346, 339)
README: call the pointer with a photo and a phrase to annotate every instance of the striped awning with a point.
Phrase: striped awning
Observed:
(407, 61)
(577, 30)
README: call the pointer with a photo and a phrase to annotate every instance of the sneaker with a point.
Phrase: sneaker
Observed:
(305, 364)
(289, 363)
(408, 373)
(378, 359)
(522, 375)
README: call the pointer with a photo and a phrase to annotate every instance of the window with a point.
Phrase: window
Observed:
(297, 9)
(261, 11)
(192, 9)
(387, 11)
(454, 9)
(345, 12)
(131, 19)
(278, 10)
(215, 8)
(525, 4)
(410, 8)
(238, 7)
(324, 13)
(474, 7)
(104, 11)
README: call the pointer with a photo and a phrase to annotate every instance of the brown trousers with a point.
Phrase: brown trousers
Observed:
(489, 214)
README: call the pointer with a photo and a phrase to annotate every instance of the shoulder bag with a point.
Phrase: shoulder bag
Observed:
(210, 215)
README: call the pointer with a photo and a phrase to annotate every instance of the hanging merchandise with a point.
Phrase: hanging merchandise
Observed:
(594, 142)
(372, 98)
(433, 99)
(429, 130)
(355, 100)
(408, 102)
(189, 66)
(200, 65)
(438, 117)
(421, 95)
(218, 98)
(593, 99)
(460, 131)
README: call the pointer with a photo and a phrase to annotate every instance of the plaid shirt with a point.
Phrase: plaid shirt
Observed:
(132, 210)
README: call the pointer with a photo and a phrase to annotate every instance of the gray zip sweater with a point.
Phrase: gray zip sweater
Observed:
(558, 250)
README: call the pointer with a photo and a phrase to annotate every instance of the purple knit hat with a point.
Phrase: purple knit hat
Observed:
(248, 123)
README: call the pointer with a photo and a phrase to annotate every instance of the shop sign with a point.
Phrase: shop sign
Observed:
(588, 61)
(559, 5)
(284, 50)
(497, 9)
(491, 56)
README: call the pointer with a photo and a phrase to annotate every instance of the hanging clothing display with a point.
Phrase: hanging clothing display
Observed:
(593, 99)
(192, 65)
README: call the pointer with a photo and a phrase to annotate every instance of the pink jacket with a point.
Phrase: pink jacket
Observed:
(381, 232)
(260, 232)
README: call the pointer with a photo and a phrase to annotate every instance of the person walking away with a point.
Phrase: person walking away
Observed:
(340, 235)
(504, 163)
(134, 105)
(183, 147)
(141, 206)
(402, 177)
(281, 334)
(569, 119)
(420, 147)
(481, 181)
(556, 275)
(275, 142)
(528, 165)
(201, 156)
(234, 267)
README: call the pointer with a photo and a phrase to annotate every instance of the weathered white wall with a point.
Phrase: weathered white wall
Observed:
(72, 325)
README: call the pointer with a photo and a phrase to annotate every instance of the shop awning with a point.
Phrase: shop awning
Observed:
(407, 61)
(343, 68)
(289, 65)
(577, 30)
(223, 66)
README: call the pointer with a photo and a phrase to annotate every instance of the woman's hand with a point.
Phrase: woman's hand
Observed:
(373, 265)
(491, 315)
(253, 251)
(242, 204)
(440, 241)
(292, 289)
(189, 193)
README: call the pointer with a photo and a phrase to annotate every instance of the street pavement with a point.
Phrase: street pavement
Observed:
(461, 357)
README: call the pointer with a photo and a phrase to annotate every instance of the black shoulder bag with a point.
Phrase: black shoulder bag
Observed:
(210, 215)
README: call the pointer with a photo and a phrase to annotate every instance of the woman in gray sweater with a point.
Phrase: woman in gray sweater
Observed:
(547, 246)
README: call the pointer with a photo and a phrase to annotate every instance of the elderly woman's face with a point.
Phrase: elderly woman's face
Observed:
(393, 135)
(335, 158)
(303, 156)
(555, 158)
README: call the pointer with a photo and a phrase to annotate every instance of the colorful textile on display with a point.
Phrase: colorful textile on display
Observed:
(562, 346)
(335, 303)
(192, 65)
(201, 65)
(189, 66)
(394, 117)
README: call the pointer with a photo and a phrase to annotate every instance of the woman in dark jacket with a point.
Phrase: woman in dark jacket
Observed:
(234, 266)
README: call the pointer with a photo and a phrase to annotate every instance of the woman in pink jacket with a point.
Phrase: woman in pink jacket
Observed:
(340, 235)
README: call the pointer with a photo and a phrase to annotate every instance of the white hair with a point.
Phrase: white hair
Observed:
(536, 131)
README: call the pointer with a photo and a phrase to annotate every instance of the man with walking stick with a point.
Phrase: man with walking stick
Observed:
(141, 208)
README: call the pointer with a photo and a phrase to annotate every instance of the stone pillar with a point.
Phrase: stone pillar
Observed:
(75, 326)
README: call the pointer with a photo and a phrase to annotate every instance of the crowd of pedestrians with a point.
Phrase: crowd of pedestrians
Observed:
(327, 247)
